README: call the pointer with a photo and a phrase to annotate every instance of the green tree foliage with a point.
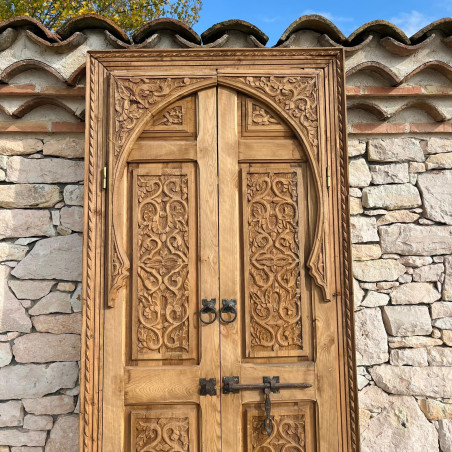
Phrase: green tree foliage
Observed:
(128, 14)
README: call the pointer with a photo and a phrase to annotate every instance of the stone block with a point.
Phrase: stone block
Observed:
(59, 404)
(444, 324)
(359, 174)
(440, 356)
(73, 195)
(21, 437)
(409, 357)
(395, 150)
(66, 286)
(447, 285)
(445, 435)
(12, 252)
(36, 380)
(436, 190)
(358, 293)
(439, 161)
(29, 195)
(363, 229)
(413, 342)
(65, 147)
(72, 218)
(33, 422)
(371, 338)
(25, 223)
(356, 206)
(407, 320)
(410, 239)
(378, 270)
(5, 354)
(11, 414)
(366, 252)
(438, 145)
(54, 258)
(76, 299)
(416, 381)
(391, 197)
(374, 299)
(53, 302)
(428, 273)
(30, 289)
(441, 309)
(435, 410)
(58, 323)
(398, 216)
(46, 347)
(399, 426)
(20, 146)
(64, 435)
(47, 171)
(13, 316)
(446, 336)
(356, 147)
(394, 173)
(415, 293)
(415, 261)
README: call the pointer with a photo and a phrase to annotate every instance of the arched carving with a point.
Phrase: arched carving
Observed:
(138, 98)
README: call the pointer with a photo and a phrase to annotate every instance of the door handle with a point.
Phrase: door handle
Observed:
(231, 385)
(208, 307)
(229, 306)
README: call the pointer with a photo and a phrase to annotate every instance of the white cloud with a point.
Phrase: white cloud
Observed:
(328, 15)
(270, 20)
(411, 22)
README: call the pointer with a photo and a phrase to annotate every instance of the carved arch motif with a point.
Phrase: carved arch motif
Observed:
(138, 98)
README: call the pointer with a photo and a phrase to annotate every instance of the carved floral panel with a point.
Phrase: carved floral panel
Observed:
(164, 429)
(291, 430)
(161, 309)
(273, 280)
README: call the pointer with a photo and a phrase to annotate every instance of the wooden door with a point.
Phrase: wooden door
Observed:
(217, 250)
(159, 350)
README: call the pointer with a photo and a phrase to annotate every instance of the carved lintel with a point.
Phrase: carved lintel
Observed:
(261, 117)
(295, 94)
(135, 96)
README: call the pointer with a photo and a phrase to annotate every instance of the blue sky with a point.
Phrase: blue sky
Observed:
(274, 16)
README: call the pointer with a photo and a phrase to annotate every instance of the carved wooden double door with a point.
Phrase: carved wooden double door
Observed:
(219, 259)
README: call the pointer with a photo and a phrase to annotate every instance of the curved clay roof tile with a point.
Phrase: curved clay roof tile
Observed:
(26, 65)
(219, 29)
(32, 104)
(32, 24)
(316, 23)
(150, 28)
(91, 20)
(444, 25)
(382, 27)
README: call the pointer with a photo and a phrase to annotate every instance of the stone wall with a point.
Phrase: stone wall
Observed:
(399, 118)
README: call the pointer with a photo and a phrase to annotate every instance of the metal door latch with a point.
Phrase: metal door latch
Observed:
(231, 385)
(208, 386)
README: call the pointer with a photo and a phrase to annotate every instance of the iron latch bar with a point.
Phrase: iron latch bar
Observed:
(231, 385)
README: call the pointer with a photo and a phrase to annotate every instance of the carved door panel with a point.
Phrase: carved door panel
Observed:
(157, 349)
(217, 249)
(266, 234)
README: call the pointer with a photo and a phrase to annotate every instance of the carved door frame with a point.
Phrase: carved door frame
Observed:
(124, 89)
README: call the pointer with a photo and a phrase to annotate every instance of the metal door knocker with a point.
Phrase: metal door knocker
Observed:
(229, 307)
(208, 307)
